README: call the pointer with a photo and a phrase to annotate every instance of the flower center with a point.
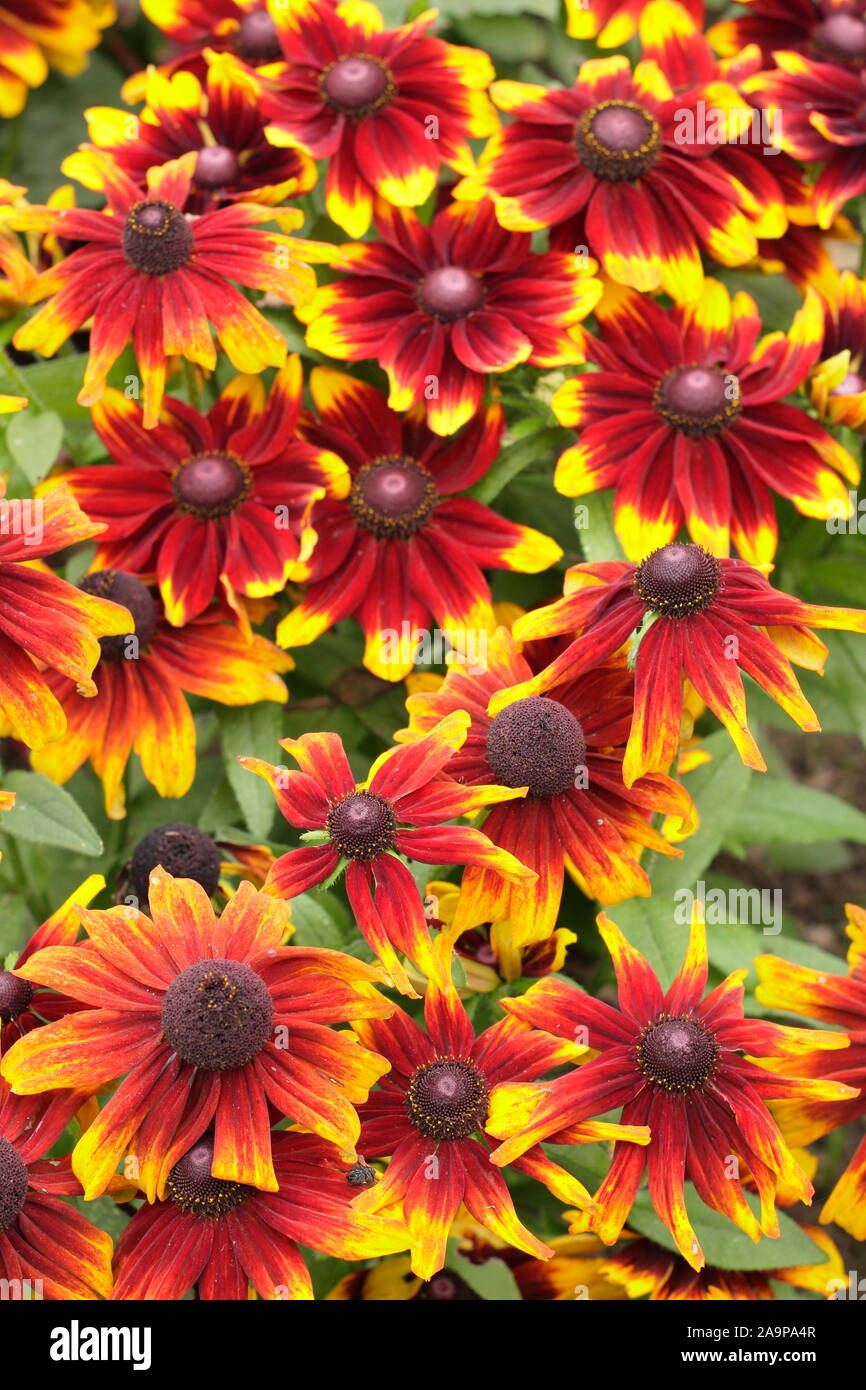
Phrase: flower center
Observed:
(853, 384)
(211, 485)
(450, 292)
(618, 140)
(393, 497)
(677, 1054)
(15, 995)
(362, 826)
(448, 1099)
(536, 743)
(697, 400)
(448, 1287)
(13, 1184)
(194, 1190)
(183, 850)
(357, 86)
(217, 1014)
(217, 166)
(157, 238)
(844, 33)
(122, 588)
(256, 37)
(678, 580)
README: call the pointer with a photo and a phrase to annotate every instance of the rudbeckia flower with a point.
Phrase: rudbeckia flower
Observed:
(430, 1115)
(185, 851)
(567, 750)
(225, 1238)
(143, 270)
(674, 1061)
(209, 504)
(439, 307)
(401, 552)
(365, 827)
(49, 630)
(686, 419)
(46, 1246)
(36, 35)
(702, 617)
(386, 107)
(631, 153)
(841, 1001)
(16, 272)
(209, 1020)
(243, 28)
(612, 23)
(838, 383)
(834, 30)
(139, 687)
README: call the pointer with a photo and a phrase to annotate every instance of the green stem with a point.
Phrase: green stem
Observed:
(191, 383)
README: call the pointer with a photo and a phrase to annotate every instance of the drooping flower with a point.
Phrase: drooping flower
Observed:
(401, 552)
(702, 617)
(209, 504)
(442, 306)
(681, 1062)
(210, 1020)
(838, 383)
(244, 28)
(833, 30)
(37, 35)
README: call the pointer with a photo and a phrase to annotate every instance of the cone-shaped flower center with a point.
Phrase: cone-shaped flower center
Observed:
(845, 33)
(122, 588)
(13, 1184)
(211, 485)
(217, 1014)
(393, 497)
(362, 826)
(356, 86)
(678, 580)
(618, 140)
(536, 743)
(698, 400)
(15, 995)
(852, 385)
(217, 166)
(678, 1054)
(256, 37)
(156, 237)
(448, 1099)
(446, 1287)
(194, 1190)
(450, 292)
(183, 850)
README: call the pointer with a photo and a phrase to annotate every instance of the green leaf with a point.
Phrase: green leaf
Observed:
(724, 1244)
(593, 521)
(45, 814)
(780, 812)
(492, 1281)
(34, 442)
(533, 448)
(253, 732)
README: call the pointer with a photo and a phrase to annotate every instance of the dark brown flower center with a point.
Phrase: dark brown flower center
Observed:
(618, 140)
(843, 33)
(536, 743)
(852, 385)
(256, 38)
(448, 1099)
(211, 485)
(183, 850)
(13, 1184)
(157, 238)
(362, 826)
(122, 588)
(217, 166)
(678, 580)
(678, 1054)
(450, 292)
(217, 1014)
(393, 497)
(446, 1287)
(194, 1190)
(15, 995)
(357, 86)
(698, 401)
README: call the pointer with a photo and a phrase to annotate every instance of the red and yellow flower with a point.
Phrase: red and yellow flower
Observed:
(612, 23)
(16, 272)
(442, 306)
(244, 28)
(37, 35)
(838, 383)
(210, 1020)
(834, 30)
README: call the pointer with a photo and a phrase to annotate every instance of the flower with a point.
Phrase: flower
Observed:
(633, 155)
(831, 29)
(673, 1060)
(686, 419)
(441, 306)
(358, 95)
(567, 750)
(49, 631)
(612, 23)
(195, 27)
(209, 1019)
(401, 553)
(841, 1001)
(208, 503)
(838, 383)
(431, 1106)
(224, 1237)
(699, 616)
(38, 34)
(17, 272)
(143, 270)
(47, 1248)
(139, 688)
(364, 827)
